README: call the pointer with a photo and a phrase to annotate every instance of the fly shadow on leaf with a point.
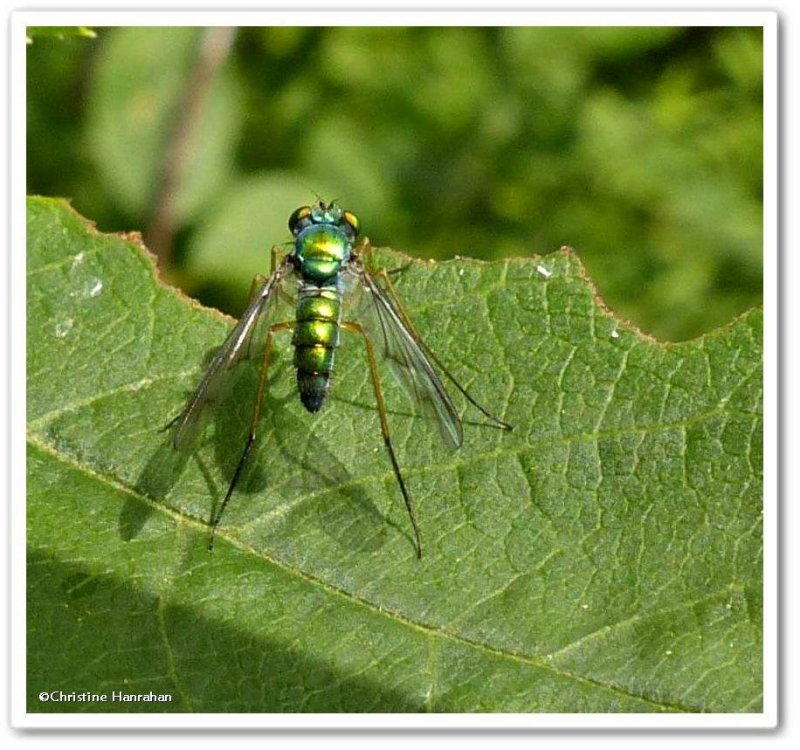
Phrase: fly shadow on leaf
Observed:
(156, 480)
(287, 467)
(290, 468)
(162, 471)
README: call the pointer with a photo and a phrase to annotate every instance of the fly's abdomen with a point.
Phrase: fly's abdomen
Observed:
(316, 336)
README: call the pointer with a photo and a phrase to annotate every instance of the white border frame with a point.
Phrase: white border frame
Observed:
(768, 20)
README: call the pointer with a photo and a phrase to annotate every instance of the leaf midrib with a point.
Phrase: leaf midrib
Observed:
(540, 662)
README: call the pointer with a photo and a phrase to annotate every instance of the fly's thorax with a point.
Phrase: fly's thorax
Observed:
(320, 251)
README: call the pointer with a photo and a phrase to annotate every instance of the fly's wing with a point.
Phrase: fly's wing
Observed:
(234, 350)
(407, 359)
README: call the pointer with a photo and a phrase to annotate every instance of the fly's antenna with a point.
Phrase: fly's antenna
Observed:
(320, 199)
(340, 198)
(327, 204)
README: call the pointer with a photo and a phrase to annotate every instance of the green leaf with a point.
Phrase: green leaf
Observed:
(603, 556)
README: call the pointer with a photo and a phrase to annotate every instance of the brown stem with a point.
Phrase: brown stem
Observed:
(211, 53)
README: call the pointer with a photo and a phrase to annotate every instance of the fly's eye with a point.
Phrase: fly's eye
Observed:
(300, 213)
(352, 221)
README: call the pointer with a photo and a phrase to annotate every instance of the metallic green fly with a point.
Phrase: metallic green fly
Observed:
(327, 273)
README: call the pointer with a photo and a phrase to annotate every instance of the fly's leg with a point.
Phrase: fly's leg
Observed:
(274, 253)
(170, 423)
(251, 435)
(364, 248)
(258, 281)
(387, 439)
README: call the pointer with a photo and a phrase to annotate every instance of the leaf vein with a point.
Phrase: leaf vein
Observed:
(379, 611)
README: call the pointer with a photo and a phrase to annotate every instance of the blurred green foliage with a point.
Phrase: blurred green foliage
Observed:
(640, 147)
